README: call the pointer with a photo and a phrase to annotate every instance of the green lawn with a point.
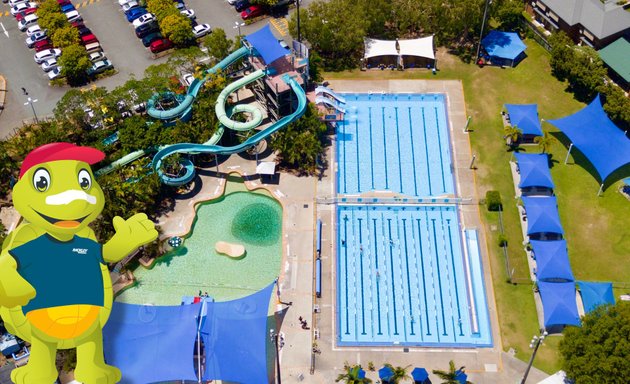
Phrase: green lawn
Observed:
(597, 238)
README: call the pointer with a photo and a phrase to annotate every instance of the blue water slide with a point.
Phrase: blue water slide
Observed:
(185, 105)
(331, 93)
(220, 150)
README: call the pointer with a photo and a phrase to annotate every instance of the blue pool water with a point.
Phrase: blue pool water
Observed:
(395, 142)
(403, 278)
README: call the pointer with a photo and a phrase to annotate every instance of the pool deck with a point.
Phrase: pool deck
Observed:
(299, 197)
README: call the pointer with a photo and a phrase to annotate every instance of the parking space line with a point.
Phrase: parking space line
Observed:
(281, 25)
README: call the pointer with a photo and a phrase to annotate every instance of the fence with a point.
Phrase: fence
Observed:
(540, 39)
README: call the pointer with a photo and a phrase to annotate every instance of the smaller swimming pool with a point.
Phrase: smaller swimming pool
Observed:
(249, 218)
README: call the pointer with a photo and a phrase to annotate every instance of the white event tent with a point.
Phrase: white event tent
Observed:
(408, 53)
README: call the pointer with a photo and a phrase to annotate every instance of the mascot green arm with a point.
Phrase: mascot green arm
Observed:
(14, 290)
(131, 234)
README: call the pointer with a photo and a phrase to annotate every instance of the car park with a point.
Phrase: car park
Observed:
(49, 64)
(148, 39)
(22, 7)
(201, 30)
(96, 56)
(73, 16)
(42, 45)
(251, 12)
(67, 7)
(27, 22)
(33, 29)
(21, 15)
(241, 5)
(44, 55)
(147, 28)
(145, 18)
(160, 45)
(232, 2)
(88, 39)
(34, 38)
(129, 5)
(135, 13)
(189, 13)
(55, 73)
(99, 66)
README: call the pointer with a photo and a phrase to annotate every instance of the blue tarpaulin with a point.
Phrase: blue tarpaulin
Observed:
(504, 45)
(419, 375)
(596, 294)
(235, 334)
(385, 373)
(266, 45)
(151, 343)
(534, 170)
(525, 117)
(542, 215)
(552, 261)
(597, 137)
(559, 304)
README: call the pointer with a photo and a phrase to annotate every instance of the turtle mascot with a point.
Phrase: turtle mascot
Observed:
(55, 289)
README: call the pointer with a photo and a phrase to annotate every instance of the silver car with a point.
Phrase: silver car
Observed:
(49, 64)
(34, 38)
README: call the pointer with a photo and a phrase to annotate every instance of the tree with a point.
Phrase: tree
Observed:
(509, 14)
(544, 142)
(65, 37)
(599, 350)
(52, 21)
(616, 105)
(400, 373)
(74, 63)
(351, 376)
(47, 7)
(162, 8)
(218, 44)
(177, 28)
(185, 59)
(513, 135)
(450, 376)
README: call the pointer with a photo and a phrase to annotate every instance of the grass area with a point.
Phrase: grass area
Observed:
(595, 232)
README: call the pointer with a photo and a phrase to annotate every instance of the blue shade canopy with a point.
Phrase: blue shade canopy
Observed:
(361, 374)
(559, 305)
(525, 117)
(597, 137)
(506, 45)
(534, 170)
(151, 343)
(235, 335)
(596, 294)
(419, 374)
(266, 45)
(542, 215)
(385, 373)
(552, 260)
(461, 376)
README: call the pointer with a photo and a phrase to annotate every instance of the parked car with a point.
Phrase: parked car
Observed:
(129, 5)
(147, 28)
(49, 64)
(46, 54)
(97, 56)
(55, 73)
(241, 5)
(135, 13)
(13, 3)
(145, 18)
(180, 6)
(253, 11)
(67, 7)
(100, 66)
(160, 45)
(83, 30)
(42, 45)
(21, 15)
(201, 30)
(93, 47)
(22, 7)
(88, 39)
(34, 38)
(73, 16)
(27, 22)
(123, 2)
(189, 13)
(148, 39)
(34, 29)
(232, 2)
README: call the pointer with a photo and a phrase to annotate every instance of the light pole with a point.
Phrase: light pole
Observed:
(483, 24)
(31, 101)
(238, 25)
(299, 35)
(274, 337)
(535, 343)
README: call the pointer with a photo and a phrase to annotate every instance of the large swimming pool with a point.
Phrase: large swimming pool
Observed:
(395, 142)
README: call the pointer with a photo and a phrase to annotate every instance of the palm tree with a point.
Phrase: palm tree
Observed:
(400, 374)
(450, 376)
(544, 142)
(351, 376)
(512, 134)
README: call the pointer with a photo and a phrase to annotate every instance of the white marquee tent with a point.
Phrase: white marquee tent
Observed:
(413, 52)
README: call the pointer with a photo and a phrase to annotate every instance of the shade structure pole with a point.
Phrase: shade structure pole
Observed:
(568, 153)
(483, 24)
(199, 373)
(601, 188)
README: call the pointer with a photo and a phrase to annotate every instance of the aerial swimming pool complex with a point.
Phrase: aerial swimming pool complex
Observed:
(407, 272)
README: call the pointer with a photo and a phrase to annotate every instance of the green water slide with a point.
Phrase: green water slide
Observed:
(256, 113)
(185, 105)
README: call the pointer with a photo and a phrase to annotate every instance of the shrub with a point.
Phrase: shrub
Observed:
(493, 201)
(502, 240)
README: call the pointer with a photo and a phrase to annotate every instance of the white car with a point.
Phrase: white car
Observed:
(46, 54)
(22, 7)
(189, 13)
(73, 16)
(146, 18)
(34, 38)
(131, 4)
(49, 64)
(33, 29)
(232, 2)
(27, 21)
(123, 2)
(54, 73)
(200, 30)
(97, 56)
(180, 6)
(13, 3)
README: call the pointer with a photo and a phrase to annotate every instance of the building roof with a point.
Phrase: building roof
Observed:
(601, 19)
(616, 55)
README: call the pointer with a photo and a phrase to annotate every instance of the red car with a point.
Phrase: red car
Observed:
(28, 11)
(160, 45)
(87, 39)
(253, 11)
(42, 44)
